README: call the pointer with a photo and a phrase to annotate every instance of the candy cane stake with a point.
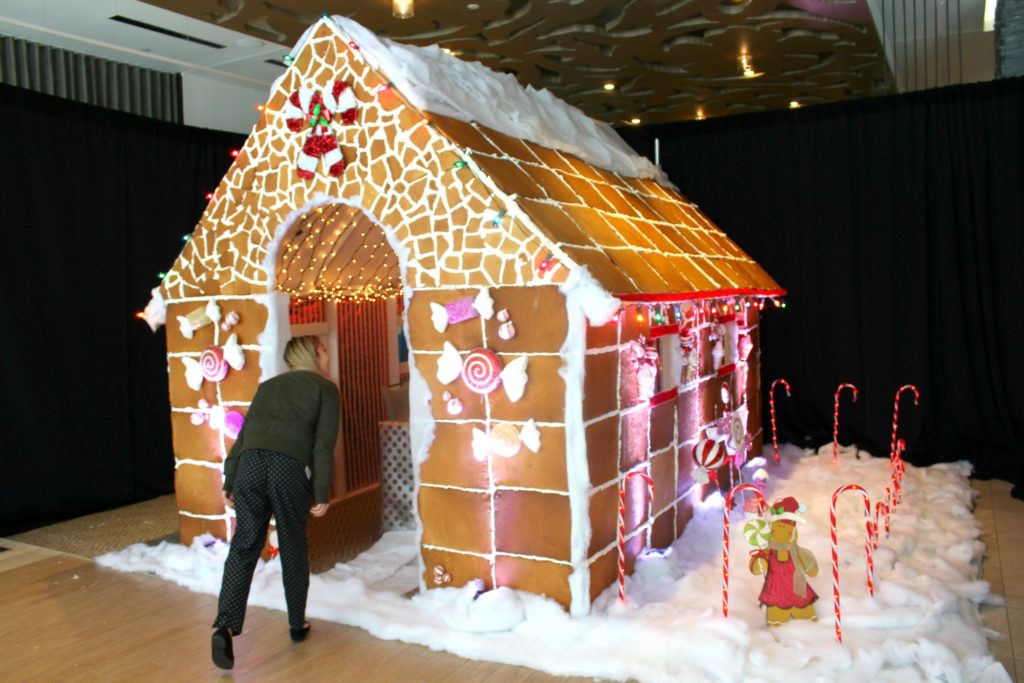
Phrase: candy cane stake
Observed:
(898, 468)
(761, 506)
(896, 413)
(622, 525)
(835, 420)
(771, 405)
(835, 551)
(879, 506)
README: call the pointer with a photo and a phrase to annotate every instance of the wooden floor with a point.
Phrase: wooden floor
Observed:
(63, 618)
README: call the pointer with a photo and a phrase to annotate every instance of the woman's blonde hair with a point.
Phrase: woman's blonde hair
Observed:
(300, 353)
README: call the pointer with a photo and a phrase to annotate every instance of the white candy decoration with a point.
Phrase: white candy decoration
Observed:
(193, 373)
(503, 316)
(513, 378)
(449, 365)
(504, 439)
(530, 435)
(217, 417)
(233, 353)
(481, 445)
(717, 353)
(484, 304)
(439, 316)
(213, 311)
(507, 330)
(197, 419)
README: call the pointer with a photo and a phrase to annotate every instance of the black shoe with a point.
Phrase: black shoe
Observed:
(223, 654)
(299, 634)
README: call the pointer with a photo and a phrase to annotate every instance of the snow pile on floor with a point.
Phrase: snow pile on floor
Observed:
(922, 623)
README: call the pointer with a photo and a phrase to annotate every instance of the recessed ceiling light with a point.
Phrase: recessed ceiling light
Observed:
(793, 104)
(635, 120)
(472, 5)
(249, 42)
(609, 86)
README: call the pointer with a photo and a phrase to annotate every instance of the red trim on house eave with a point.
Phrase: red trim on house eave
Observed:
(689, 296)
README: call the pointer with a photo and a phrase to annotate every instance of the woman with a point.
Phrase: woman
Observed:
(282, 461)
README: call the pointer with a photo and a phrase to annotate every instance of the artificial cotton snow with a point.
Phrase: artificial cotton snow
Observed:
(921, 624)
(435, 81)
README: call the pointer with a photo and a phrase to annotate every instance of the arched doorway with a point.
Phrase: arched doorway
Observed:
(343, 279)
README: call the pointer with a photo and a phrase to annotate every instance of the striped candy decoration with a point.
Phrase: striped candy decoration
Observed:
(622, 524)
(762, 507)
(835, 420)
(896, 413)
(771, 405)
(835, 551)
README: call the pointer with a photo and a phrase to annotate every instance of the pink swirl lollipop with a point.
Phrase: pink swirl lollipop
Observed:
(213, 365)
(481, 371)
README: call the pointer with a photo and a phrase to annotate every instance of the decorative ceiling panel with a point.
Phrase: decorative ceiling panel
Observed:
(669, 61)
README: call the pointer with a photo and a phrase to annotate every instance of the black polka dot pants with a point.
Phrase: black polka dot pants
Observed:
(266, 483)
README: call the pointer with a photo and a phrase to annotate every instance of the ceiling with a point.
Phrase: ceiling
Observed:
(668, 60)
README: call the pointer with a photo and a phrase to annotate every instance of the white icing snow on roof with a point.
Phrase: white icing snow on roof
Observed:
(435, 81)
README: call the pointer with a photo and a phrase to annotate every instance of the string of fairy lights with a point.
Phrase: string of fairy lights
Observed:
(334, 240)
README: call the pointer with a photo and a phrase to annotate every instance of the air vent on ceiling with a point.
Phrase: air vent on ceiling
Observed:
(167, 32)
(276, 62)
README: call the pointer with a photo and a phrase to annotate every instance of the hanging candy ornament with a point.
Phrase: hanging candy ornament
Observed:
(709, 455)
(213, 364)
(312, 111)
(481, 371)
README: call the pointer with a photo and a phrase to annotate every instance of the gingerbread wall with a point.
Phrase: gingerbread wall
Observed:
(505, 520)
(626, 433)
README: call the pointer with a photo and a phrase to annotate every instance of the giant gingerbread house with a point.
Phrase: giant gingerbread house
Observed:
(569, 318)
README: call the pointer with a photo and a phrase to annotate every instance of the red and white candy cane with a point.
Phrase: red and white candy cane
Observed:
(898, 468)
(879, 506)
(896, 414)
(835, 551)
(761, 506)
(771, 405)
(835, 420)
(622, 524)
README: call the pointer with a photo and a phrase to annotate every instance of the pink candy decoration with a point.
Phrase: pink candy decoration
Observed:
(230, 320)
(213, 365)
(453, 405)
(481, 371)
(507, 330)
(197, 419)
(461, 310)
(233, 421)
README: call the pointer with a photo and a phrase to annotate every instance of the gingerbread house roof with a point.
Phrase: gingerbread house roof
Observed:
(575, 195)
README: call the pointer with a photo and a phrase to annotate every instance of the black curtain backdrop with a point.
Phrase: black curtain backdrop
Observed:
(96, 203)
(897, 225)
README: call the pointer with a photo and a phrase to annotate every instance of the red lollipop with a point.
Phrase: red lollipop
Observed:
(481, 371)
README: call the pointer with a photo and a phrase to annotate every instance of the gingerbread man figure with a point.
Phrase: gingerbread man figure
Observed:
(786, 566)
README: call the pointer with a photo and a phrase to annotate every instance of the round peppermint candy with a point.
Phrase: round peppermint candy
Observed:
(213, 365)
(481, 371)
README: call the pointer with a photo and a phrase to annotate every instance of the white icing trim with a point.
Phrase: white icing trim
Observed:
(178, 462)
(577, 467)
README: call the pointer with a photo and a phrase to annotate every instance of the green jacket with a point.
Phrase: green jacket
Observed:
(295, 413)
